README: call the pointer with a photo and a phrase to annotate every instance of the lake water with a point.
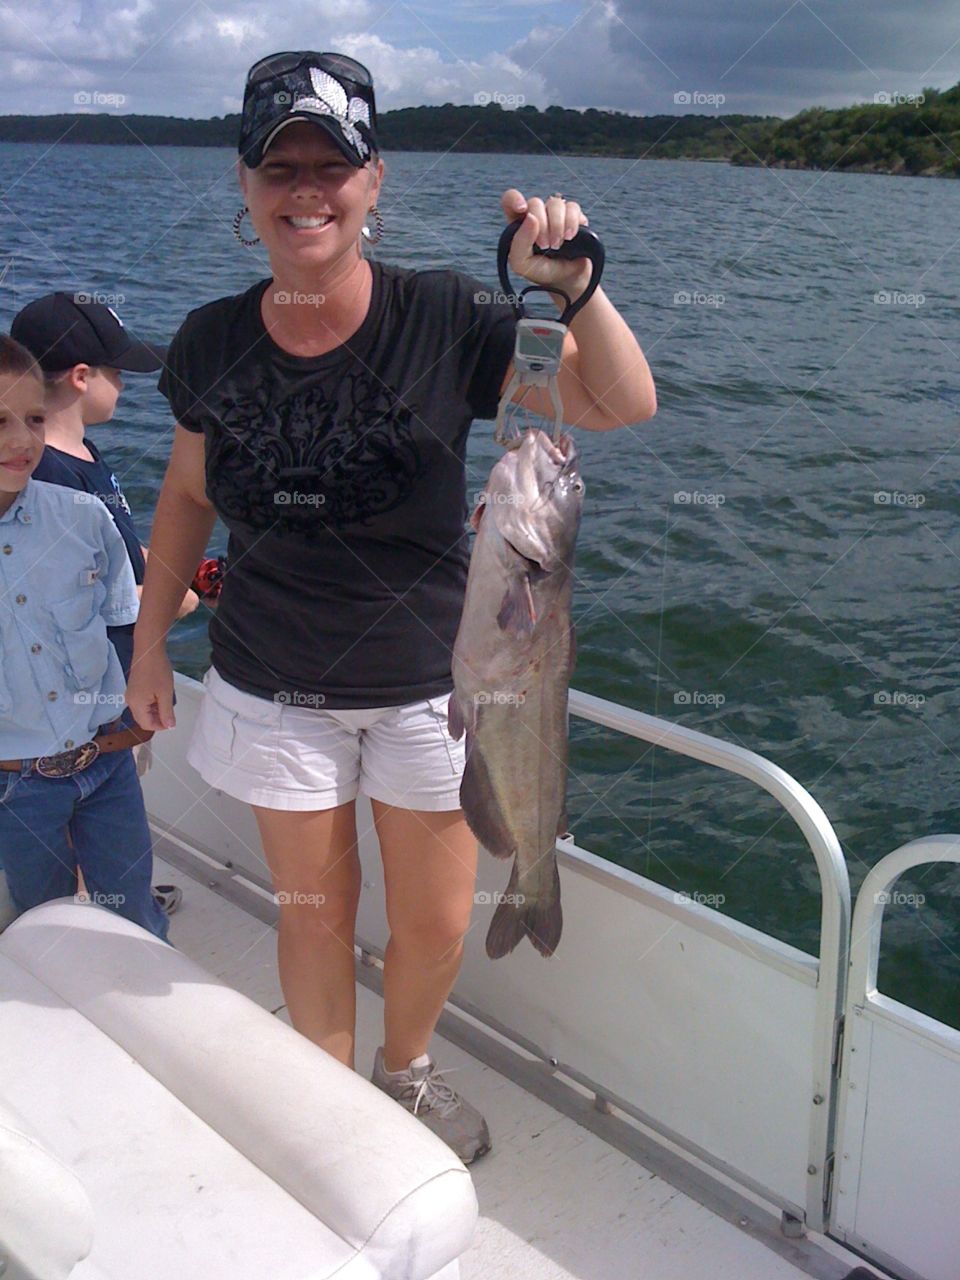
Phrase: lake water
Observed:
(773, 559)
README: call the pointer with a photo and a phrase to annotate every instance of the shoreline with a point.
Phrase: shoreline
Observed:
(735, 161)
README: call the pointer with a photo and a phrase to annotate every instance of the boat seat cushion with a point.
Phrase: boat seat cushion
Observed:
(36, 1187)
(211, 1138)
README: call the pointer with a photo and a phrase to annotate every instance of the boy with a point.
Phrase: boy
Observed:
(83, 347)
(69, 792)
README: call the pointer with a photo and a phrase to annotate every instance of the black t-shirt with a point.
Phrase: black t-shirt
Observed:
(96, 477)
(341, 480)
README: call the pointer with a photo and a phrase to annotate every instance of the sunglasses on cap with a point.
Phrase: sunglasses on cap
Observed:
(337, 64)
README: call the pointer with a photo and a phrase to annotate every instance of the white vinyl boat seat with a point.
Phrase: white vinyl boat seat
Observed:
(154, 1122)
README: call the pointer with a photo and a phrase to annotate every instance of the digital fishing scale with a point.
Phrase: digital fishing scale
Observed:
(538, 350)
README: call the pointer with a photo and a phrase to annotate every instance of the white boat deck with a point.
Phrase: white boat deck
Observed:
(557, 1201)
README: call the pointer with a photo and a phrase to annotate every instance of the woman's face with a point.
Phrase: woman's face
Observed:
(306, 201)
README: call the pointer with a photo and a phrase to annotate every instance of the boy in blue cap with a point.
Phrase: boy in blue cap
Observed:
(83, 347)
(69, 792)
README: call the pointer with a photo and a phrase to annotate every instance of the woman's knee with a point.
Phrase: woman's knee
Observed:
(436, 937)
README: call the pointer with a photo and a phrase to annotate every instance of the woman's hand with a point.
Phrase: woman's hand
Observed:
(547, 224)
(150, 690)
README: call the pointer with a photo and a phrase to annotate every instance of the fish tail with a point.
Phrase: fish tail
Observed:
(539, 918)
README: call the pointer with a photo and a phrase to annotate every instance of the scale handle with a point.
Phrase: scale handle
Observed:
(585, 244)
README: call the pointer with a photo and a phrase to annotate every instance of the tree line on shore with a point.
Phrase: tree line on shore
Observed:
(913, 134)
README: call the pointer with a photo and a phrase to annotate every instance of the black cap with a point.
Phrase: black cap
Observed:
(328, 89)
(64, 329)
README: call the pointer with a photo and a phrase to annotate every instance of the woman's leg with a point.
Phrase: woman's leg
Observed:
(430, 867)
(315, 869)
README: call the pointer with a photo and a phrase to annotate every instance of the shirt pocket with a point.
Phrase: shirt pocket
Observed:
(82, 635)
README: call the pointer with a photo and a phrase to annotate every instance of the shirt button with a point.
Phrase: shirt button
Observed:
(52, 696)
(26, 518)
(7, 549)
(21, 599)
(35, 648)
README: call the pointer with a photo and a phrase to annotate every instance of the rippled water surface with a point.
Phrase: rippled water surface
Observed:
(773, 559)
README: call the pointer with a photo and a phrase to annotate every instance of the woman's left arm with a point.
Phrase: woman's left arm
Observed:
(604, 380)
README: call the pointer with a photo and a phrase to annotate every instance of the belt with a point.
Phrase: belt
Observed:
(66, 763)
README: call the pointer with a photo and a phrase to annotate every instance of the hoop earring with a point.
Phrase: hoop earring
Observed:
(238, 218)
(377, 236)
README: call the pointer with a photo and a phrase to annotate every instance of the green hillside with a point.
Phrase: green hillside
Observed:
(447, 128)
(899, 136)
(911, 137)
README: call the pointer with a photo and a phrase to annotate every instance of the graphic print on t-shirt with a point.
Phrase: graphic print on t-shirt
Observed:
(120, 499)
(295, 460)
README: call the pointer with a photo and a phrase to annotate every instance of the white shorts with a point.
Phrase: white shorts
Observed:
(292, 757)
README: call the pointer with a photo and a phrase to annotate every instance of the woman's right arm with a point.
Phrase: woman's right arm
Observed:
(182, 526)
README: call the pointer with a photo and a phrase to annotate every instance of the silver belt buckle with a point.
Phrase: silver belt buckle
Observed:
(66, 763)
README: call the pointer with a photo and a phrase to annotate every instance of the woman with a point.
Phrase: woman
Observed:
(324, 414)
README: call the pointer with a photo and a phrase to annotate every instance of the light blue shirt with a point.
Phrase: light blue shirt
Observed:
(65, 576)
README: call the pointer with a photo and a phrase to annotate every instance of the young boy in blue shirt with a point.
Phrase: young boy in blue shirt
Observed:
(83, 348)
(69, 791)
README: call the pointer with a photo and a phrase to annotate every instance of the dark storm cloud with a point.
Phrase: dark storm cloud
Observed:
(772, 56)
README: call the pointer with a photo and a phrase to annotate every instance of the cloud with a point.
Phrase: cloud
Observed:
(188, 57)
(774, 56)
(421, 75)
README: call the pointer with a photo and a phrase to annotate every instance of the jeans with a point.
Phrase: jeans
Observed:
(101, 811)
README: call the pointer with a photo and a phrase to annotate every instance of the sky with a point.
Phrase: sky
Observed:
(651, 57)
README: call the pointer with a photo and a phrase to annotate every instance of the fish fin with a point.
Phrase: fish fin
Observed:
(518, 614)
(455, 724)
(480, 806)
(540, 921)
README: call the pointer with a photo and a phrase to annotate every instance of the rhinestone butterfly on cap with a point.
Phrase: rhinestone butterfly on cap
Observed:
(331, 100)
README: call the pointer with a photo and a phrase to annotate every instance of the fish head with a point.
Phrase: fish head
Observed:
(535, 496)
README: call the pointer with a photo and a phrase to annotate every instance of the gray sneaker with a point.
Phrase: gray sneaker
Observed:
(422, 1090)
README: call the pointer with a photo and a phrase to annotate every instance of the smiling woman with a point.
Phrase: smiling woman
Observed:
(324, 414)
